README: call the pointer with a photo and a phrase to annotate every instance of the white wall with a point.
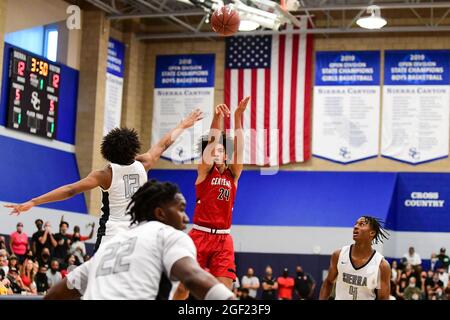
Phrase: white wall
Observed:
(25, 14)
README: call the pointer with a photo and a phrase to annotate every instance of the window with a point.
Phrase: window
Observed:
(42, 40)
(51, 42)
(29, 39)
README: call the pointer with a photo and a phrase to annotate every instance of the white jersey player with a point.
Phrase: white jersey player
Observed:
(141, 262)
(124, 174)
(360, 272)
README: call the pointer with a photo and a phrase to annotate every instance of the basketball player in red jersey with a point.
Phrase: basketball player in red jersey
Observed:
(215, 187)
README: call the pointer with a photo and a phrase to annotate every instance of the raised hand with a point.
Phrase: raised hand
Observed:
(192, 118)
(19, 208)
(242, 106)
(222, 110)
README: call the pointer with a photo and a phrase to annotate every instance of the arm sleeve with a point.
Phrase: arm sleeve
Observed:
(78, 277)
(176, 245)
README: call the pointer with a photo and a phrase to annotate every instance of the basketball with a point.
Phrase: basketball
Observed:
(225, 21)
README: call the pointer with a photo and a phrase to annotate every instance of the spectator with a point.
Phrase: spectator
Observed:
(437, 283)
(62, 242)
(2, 243)
(27, 275)
(412, 257)
(269, 285)
(285, 285)
(429, 283)
(447, 291)
(35, 267)
(30, 255)
(444, 259)
(13, 262)
(15, 282)
(77, 247)
(250, 282)
(393, 294)
(4, 287)
(41, 280)
(235, 287)
(45, 239)
(443, 276)
(2, 271)
(245, 294)
(18, 242)
(304, 284)
(76, 229)
(394, 271)
(36, 246)
(69, 265)
(409, 272)
(401, 286)
(44, 259)
(53, 275)
(433, 260)
(412, 292)
(423, 282)
(4, 263)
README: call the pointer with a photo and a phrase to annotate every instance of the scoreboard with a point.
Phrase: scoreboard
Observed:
(33, 94)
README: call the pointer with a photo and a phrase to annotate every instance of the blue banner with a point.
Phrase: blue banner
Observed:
(421, 203)
(116, 57)
(343, 68)
(185, 71)
(417, 67)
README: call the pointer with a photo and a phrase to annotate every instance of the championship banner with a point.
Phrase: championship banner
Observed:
(346, 105)
(114, 85)
(182, 84)
(416, 101)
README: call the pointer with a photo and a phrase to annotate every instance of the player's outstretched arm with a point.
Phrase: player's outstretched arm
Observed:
(94, 179)
(327, 285)
(199, 282)
(220, 112)
(150, 158)
(385, 279)
(237, 163)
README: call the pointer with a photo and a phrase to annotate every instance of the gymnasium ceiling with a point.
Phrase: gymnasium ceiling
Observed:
(174, 19)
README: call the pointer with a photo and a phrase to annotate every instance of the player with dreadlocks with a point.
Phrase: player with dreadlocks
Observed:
(360, 272)
(137, 264)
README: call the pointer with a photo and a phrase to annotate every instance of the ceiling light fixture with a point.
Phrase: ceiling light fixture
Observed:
(375, 21)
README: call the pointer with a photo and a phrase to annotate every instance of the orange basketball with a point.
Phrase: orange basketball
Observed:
(225, 21)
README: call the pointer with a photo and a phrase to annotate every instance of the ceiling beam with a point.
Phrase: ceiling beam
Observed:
(156, 15)
(386, 6)
(146, 36)
(105, 7)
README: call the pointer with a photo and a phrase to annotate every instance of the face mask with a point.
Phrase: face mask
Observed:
(412, 285)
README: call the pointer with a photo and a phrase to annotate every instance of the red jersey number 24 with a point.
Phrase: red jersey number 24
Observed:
(224, 194)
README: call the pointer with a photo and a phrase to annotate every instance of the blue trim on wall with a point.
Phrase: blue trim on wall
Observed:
(29, 170)
(298, 198)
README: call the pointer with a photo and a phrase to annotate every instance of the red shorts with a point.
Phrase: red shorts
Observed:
(215, 252)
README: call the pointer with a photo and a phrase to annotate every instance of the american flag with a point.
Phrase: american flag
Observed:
(276, 72)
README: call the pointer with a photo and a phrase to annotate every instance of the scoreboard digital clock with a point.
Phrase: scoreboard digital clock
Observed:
(33, 94)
